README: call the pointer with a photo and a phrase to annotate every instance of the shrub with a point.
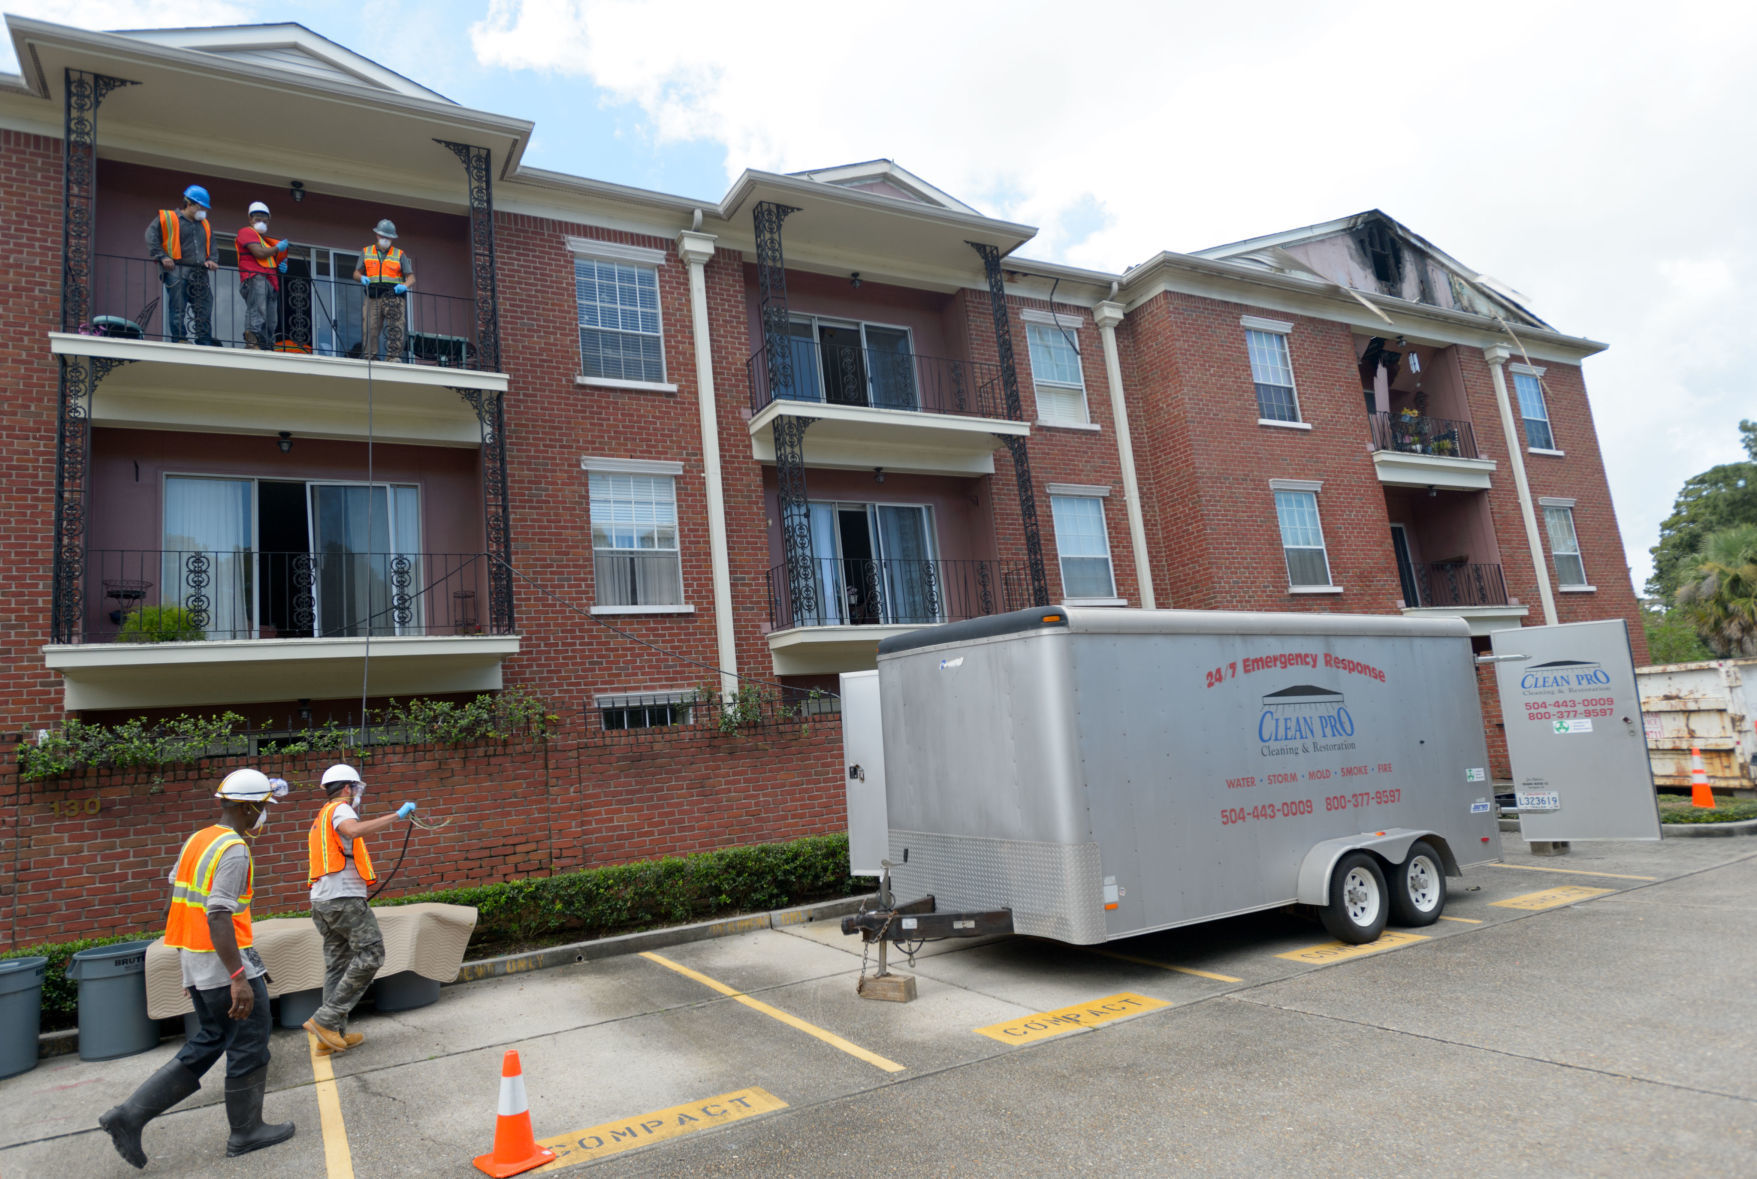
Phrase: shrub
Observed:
(160, 624)
(60, 993)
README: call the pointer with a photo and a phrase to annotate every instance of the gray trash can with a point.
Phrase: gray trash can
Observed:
(299, 1006)
(404, 991)
(112, 1001)
(21, 1013)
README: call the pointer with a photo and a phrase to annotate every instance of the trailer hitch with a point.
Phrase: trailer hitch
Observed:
(920, 919)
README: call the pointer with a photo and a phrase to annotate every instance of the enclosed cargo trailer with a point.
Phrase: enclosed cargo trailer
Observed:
(1102, 773)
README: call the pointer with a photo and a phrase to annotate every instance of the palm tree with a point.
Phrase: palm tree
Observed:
(1720, 597)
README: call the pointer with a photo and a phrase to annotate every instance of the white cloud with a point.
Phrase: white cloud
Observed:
(120, 14)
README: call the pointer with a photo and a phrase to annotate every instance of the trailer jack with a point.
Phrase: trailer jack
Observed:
(915, 921)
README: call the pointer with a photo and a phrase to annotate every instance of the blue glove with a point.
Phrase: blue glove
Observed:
(402, 288)
(282, 247)
(364, 281)
(282, 267)
(404, 811)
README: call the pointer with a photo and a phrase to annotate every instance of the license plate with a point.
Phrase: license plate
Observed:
(1545, 800)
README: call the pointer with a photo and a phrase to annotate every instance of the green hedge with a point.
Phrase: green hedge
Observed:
(596, 902)
(624, 898)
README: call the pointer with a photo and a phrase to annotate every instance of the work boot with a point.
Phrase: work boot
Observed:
(352, 1038)
(244, 1111)
(250, 340)
(328, 1037)
(165, 1088)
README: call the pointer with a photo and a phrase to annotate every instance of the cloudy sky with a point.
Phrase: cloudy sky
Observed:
(1596, 157)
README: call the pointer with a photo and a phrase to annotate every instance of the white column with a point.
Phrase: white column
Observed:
(1497, 356)
(695, 249)
(1107, 316)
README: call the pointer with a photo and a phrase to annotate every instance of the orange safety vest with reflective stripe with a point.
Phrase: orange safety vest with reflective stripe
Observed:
(382, 268)
(186, 926)
(171, 235)
(327, 853)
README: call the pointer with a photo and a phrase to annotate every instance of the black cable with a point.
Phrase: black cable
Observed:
(393, 871)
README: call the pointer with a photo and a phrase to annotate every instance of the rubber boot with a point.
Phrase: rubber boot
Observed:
(244, 1111)
(165, 1088)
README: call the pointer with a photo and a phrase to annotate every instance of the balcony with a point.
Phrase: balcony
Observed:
(309, 377)
(871, 407)
(1412, 450)
(852, 604)
(1474, 592)
(185, 627)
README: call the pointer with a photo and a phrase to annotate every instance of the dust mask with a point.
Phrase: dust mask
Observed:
(201, 214)
(359, 795)
(261, 820)
(259, 226)
(384, 243)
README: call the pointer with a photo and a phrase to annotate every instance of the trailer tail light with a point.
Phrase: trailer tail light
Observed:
(1052, 618)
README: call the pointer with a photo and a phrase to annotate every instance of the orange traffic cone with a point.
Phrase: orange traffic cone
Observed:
(1700, 794)
(515, 1149)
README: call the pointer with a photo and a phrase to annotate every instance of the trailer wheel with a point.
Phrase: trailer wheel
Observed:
(1418, 886)
(1357, 910)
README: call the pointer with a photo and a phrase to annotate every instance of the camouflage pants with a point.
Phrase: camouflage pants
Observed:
(353, 950)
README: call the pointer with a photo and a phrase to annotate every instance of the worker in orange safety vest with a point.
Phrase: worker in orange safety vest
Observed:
(181, 241)
(387, 274)
(209, 927)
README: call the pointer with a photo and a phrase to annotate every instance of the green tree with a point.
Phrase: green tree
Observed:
(1718, 498)
(1720, 598)
(1670, 637)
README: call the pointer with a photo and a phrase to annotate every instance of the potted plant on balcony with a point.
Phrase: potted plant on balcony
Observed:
(1408, 428)
(160, 624)
(1445, 446)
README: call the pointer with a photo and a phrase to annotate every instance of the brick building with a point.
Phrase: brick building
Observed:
(633, 438)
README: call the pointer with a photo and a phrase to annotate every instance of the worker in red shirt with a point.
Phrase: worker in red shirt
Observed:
(261, 262)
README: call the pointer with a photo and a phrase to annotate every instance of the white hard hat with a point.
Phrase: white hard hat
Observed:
(247, 786)
(340, 773)
(258, 207)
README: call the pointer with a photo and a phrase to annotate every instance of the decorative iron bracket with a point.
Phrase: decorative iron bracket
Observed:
(496, 506)
(789, 432)
(478, 167)
(79, 157)
(79, 382)
(771, 276)
(1003, 339)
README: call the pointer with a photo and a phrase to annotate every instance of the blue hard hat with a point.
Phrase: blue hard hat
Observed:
(198, 194)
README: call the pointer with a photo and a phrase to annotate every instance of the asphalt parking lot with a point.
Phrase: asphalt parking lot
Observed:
(1585, 1014)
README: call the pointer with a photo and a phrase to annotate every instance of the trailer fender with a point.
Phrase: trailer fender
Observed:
(1391, 845)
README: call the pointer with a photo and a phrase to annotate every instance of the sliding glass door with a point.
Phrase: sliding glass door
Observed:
(208, 565)
(365, 556)
(872, 565)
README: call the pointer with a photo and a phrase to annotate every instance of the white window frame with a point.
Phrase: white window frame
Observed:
(1583, 586)
(640, 258)
(1039, 324)
(1269, 329)
(1070, 494)
(664, 469)
(1534, 383)
(1311, 487)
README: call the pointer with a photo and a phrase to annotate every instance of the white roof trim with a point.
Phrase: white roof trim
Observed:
(622, 466)
(239, 43)
(887, 170)
(591, 247)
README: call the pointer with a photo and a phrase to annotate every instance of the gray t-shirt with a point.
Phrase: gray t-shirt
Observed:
(203, 970)
(348, 882)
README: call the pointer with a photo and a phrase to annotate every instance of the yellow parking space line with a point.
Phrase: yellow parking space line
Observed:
(792, 1021)
(1338, 951)
(1070, 1019)
(1167, 966)
(1551, 898)
(597, 1142)
(337, 1158)
(1570, 871)
(1466, 920)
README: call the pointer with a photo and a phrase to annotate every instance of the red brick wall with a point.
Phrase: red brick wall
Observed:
(518, 811)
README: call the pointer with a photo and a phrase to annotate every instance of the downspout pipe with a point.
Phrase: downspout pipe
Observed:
(1107, 315)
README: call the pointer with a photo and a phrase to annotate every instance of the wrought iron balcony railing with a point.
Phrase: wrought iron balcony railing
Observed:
(1415, 434)
(837, 374)
(187, 595)
(1460, 585)
(319, 316)
(839, 592)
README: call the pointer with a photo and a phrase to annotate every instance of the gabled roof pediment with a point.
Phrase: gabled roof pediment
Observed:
(1376, 254)
(887, 179)
(288, 47)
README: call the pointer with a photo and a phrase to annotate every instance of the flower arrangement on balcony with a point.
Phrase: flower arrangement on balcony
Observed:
(1445, 446)
(160, 624)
